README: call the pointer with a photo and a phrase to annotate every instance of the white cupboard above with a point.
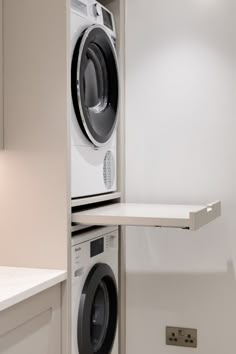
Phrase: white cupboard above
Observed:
(190, 217)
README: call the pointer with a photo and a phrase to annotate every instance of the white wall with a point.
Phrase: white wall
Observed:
(181, 148)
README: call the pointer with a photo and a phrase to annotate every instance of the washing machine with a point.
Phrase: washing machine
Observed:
(95, 99)
(95, 292)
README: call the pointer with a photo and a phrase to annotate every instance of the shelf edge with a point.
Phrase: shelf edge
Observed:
(205, 215)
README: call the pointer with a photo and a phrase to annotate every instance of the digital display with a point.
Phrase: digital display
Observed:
(107, 19)
(96, 247)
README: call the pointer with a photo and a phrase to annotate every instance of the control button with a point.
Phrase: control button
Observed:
(98, 9)
(79, 272)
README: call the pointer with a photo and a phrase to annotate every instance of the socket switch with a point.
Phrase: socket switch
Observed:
(181, 337)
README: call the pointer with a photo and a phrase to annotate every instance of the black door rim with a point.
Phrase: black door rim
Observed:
(99, 273)
(98, 128)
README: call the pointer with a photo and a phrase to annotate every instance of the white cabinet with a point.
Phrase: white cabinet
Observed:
(33, 325)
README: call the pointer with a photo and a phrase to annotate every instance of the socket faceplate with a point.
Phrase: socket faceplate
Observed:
(181, 337)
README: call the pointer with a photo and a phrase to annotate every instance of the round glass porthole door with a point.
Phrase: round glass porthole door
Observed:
(94, 84)
(97, 317)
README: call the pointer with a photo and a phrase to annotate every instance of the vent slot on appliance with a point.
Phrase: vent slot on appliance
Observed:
(108, 170)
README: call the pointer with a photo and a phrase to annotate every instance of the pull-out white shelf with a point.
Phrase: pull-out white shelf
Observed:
(96, 199)
(190, 217)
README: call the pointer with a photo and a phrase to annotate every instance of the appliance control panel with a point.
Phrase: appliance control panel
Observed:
(97, 13)
(93, 249)
(103, 17)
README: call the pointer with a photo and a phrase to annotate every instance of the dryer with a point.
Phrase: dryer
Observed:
(95, 98)
(94, 292)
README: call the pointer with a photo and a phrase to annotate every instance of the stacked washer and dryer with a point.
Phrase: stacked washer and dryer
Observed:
(95, 97)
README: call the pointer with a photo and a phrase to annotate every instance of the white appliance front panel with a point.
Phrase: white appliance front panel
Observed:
(91, 11)
(82, 264)
(87, 176)
(87, 161)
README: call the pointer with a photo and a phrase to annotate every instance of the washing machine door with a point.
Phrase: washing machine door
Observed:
(97, 317)
(94, 84)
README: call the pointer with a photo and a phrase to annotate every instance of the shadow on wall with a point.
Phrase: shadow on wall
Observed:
(166, 291)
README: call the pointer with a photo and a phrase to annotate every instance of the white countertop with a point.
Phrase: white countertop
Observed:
(18, 284)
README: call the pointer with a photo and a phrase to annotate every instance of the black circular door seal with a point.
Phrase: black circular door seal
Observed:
(94, 63)
(99, 274)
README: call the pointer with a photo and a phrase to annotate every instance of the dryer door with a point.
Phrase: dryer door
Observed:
(97, 318)
(94, 84)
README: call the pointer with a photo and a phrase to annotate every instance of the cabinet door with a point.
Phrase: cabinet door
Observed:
(1, 74)
(33, 326)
